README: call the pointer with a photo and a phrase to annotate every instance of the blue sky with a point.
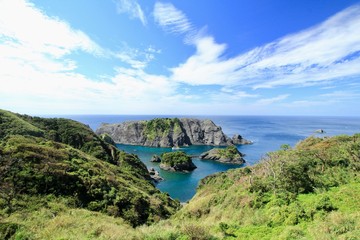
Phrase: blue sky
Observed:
(209, 57)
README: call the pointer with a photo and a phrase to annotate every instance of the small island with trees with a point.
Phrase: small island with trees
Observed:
(176, 161)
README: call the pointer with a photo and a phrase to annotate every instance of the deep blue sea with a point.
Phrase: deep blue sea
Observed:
(267, 132)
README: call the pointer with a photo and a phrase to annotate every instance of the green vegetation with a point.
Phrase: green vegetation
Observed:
(175, 158)
(159, 127)
(176, 161)
(54, 185)
(309, 192)
(70, 161)
(230, 152)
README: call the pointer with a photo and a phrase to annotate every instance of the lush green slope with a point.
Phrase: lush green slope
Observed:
(309, 192)
(63, 158)
(60, 181)
(160, 127)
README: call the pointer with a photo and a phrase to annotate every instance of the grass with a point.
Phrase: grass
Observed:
(54, 184)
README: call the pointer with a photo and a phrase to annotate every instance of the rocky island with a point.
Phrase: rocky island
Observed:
(169, 132)
(229, 154)
(176, 161)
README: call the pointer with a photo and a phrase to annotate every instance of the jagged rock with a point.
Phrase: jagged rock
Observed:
(155, 176)
(155, 158)
(167, 132)
(225, 155)
(239, 140)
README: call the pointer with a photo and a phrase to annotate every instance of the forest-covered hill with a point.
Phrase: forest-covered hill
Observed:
(59, 180)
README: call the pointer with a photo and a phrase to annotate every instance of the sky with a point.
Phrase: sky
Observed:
(180, 57)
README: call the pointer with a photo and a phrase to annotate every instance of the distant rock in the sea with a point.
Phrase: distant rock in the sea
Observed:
(320, 131)
(239, 140)
(177, 161)
(229, 154)
(168, 132)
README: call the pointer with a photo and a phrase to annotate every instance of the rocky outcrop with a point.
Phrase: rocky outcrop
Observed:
(177, 161)
(167, 132)
(155, 158)
(225, 155)
(155, 176)
(239, 140)
(181, 167)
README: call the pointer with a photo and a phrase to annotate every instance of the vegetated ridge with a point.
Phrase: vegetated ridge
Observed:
(63, 158)
(310, 191)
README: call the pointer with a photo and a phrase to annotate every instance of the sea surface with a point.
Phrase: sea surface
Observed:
(268, 133)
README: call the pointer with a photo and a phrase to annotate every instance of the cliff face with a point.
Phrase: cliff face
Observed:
(166, 132)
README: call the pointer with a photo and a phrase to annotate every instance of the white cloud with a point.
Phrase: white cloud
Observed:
(206, 65)
(38, 75)
(325, 52)
(171, 19)
(21, 24)
(133, 8)
(269, 101)
(34, 49)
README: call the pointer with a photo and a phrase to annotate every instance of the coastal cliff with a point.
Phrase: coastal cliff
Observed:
(167, 132)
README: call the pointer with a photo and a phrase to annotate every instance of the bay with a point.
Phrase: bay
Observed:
(268, 133)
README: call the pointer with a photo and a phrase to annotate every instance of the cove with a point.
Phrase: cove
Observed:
(181, 186)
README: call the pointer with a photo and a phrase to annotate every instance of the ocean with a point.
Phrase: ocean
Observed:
(267, 133)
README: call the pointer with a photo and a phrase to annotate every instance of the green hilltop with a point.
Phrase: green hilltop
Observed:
(64, 158)
(61, 181)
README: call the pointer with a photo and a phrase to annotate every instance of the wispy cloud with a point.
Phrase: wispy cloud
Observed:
(341, 95)
(171, 19)
(137, 59)
(326, 52)
(133, 8)
(268, 101)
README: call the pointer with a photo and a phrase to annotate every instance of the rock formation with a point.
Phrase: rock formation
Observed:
(155, 176)
(176, 161)
(155, 158)
(239, 140)
(167, 132)
(225, 155)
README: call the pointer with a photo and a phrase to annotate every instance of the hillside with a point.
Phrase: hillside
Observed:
(309, 192)
(169, 132)
(54, 187)
(63, 158)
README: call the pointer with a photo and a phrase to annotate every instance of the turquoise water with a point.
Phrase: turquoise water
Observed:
(267, 132)
(180, 185)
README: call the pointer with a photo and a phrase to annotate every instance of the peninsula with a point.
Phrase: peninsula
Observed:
(169, 132)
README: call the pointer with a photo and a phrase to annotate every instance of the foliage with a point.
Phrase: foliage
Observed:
(230, 152)
(159, 127)
(55, 185)
(175, 158)
(70, 160)
(286, 194)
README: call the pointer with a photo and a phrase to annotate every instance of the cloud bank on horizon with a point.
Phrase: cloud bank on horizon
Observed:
(52, 64)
